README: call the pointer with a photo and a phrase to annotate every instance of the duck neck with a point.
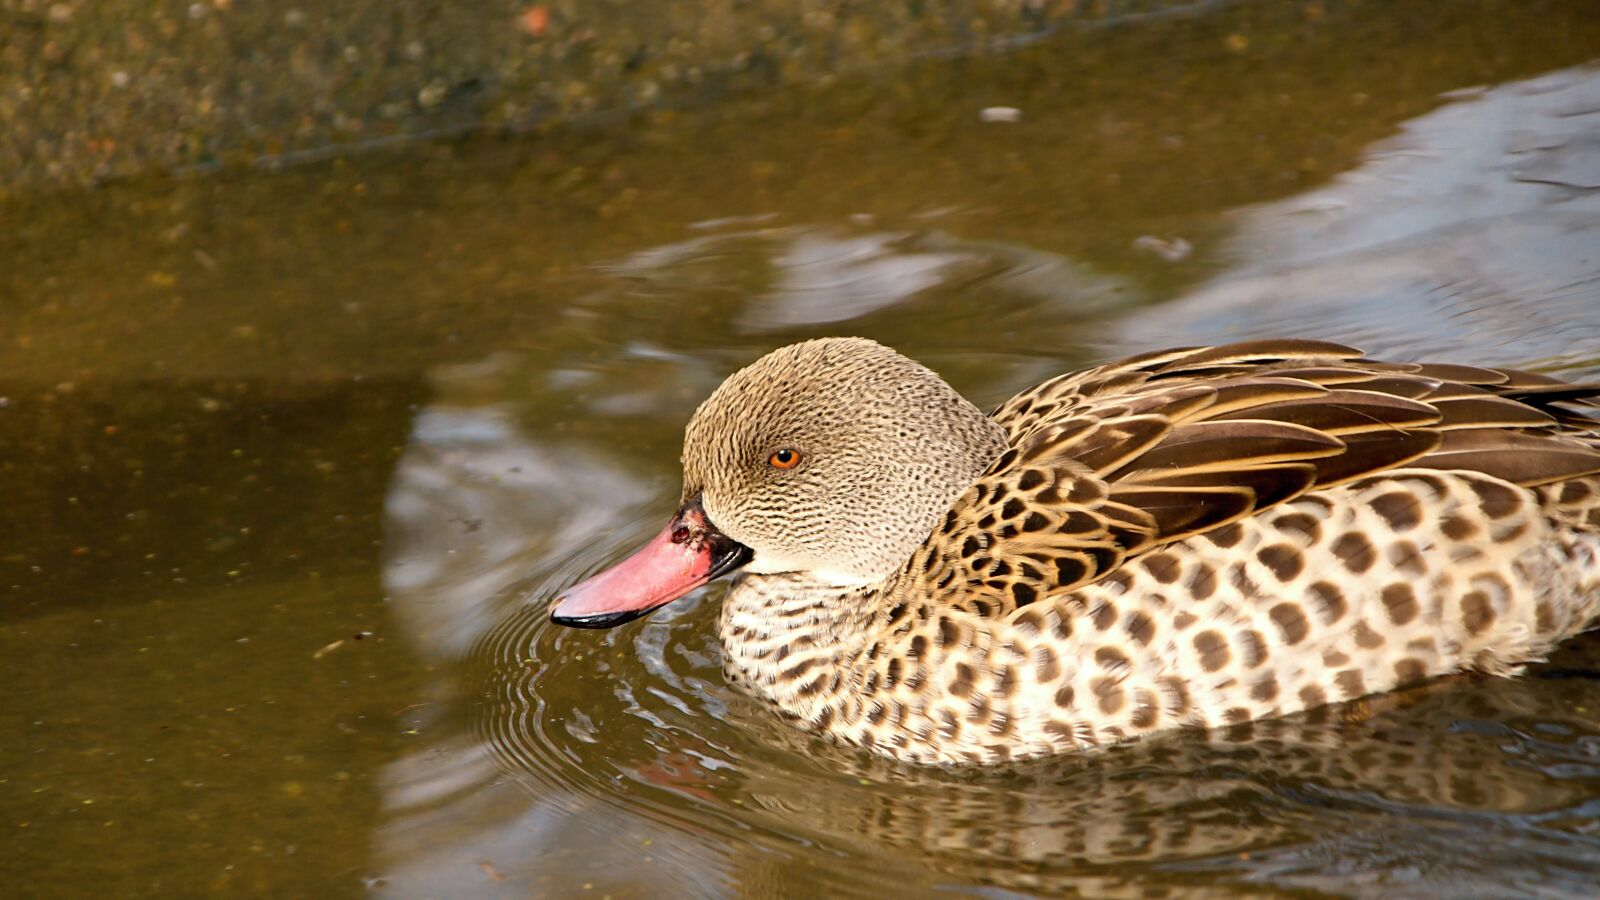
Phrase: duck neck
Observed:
(796, 641)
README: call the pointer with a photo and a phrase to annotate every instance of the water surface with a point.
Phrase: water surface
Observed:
(293, 463)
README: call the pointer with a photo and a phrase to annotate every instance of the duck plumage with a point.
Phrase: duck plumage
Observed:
(1194, 537)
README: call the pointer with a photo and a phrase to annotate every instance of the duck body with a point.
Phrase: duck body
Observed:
(1196, 537)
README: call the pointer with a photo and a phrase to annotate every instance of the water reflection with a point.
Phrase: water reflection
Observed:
(824, 276)
(1477, 221)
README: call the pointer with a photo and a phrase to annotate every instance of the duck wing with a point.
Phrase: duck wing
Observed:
(1112, 462)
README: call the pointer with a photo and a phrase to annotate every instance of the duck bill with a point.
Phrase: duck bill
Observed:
(689, 552)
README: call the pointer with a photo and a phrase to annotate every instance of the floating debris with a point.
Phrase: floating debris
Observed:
(1000, 114)
(1169, 249)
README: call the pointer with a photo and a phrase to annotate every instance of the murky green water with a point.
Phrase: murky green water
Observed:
(290, 464)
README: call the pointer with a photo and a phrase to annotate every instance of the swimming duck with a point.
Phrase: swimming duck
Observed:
(1193, 537)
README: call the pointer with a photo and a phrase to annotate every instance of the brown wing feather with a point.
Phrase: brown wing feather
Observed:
(1110, 445)
(1345, 412)
(1188, 510)
(1488, 411)
(1257, 352)
(1525, 459)
(1365, 454)
(1119, 459)
(1226, 445)
(1270, 485)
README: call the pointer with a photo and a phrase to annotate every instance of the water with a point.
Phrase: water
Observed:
(291, 464)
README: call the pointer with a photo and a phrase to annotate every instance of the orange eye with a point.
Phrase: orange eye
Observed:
(784, 459)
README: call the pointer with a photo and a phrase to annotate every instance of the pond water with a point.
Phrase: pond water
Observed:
(292, 463)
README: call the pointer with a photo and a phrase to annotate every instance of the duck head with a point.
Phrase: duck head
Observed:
(833, 459)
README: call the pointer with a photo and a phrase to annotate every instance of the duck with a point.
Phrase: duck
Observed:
(1197, 537)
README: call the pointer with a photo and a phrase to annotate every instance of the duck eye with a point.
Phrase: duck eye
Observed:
(784, 459)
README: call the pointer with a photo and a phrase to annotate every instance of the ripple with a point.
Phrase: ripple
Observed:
(624, 758)
(682, 748)
(626, 755)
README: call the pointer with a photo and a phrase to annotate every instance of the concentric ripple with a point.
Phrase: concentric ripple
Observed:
(640, 720)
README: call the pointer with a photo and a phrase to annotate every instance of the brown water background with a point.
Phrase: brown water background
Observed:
(291, 463)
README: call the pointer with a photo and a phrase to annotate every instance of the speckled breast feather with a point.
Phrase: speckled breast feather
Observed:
(1202, 537)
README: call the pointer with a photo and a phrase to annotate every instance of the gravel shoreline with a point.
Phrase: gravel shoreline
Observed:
(92, 90)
